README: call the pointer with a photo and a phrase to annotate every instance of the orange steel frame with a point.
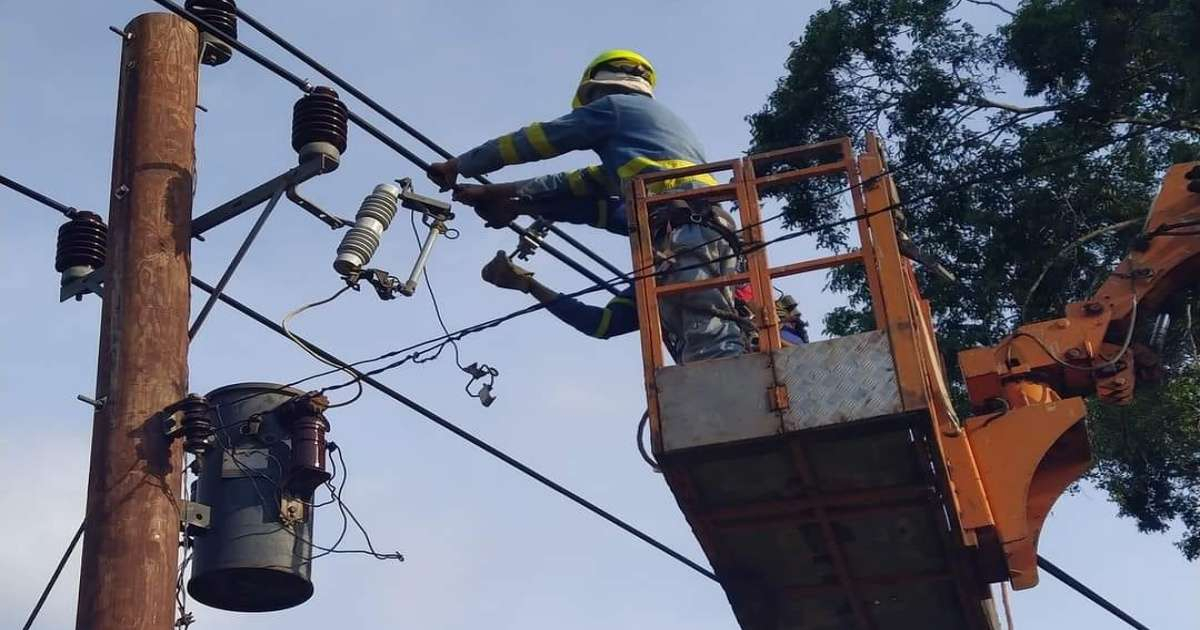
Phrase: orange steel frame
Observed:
(890, 278)
(1002, 471)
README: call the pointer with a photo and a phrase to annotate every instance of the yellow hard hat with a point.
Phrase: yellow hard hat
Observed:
(614, 57)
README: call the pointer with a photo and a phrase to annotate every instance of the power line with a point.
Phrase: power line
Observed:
(62, 562)
(63, 209)
(1082, 589)
(391, 143)
(396, 120)
(466, 436)
(369, 380)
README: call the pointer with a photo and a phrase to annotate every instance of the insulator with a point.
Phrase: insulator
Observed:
(196, 424)
(374, 216)
(220, 14)
(319, 124)
(81, 246)
(306, 424)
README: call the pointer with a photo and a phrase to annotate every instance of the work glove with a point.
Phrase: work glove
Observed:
(501, 272)
(444, 174)
(498, 214)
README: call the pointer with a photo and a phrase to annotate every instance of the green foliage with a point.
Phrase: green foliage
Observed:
(1064, 118)
(1148, 456)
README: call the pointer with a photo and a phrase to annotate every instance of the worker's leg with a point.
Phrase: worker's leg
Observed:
(702, 321)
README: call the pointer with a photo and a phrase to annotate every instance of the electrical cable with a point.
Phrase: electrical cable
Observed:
(1082, 589)
(63, 209)
(471, 438)
(390, 142)
(298, 342)
(333, 361)
(1068, 248)
(1006, 345)
(864, 182)
(396, 120)
(483, 368)
(641, 444)
(62, 562)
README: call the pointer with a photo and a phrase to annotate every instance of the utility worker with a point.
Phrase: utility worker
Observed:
(615, 115)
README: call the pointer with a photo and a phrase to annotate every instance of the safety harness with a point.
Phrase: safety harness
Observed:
(713, 217)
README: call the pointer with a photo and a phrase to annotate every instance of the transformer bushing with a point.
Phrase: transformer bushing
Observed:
(82, 242)
(222, 15)
(320, 124)
(258, 481)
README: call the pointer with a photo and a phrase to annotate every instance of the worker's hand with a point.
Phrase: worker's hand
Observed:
(501, 272)
(498, 214)
(476, 194)
(444, 174)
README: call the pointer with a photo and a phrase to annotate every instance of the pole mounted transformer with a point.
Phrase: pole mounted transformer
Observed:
(253, 552)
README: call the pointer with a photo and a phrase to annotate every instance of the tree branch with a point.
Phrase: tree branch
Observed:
(981, 101)
(1168, 123)
(994, 5)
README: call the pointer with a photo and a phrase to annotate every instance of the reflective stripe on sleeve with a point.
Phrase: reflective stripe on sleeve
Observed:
(508, 149)
(605, 321)
(537, 138)
(639, 164)
(579, 188)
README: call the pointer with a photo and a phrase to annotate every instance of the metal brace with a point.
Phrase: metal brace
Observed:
(307, 170)
(196, 518)
(79, 287)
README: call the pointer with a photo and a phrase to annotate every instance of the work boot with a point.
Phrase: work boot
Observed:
(501, 272)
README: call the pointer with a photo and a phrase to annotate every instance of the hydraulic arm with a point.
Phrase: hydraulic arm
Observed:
(1028, 439)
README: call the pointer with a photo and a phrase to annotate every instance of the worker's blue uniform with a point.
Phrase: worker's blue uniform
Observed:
(632, 134)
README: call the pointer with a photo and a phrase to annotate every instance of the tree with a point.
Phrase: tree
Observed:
(1107, 96)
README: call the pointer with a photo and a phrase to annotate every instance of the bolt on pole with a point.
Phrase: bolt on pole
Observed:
(131, 541)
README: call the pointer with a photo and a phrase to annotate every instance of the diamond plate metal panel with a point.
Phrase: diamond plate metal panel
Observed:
(726, 400)
(839, 380)
(718, 401)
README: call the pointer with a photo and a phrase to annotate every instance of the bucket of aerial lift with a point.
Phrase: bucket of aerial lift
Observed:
(256, 553)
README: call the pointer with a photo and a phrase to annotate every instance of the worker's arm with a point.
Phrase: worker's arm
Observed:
(499, 204)
(584, 128)
(618, 317)
(585, 182)
(606, 213)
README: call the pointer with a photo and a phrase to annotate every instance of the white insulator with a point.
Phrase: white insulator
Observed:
(374, 216)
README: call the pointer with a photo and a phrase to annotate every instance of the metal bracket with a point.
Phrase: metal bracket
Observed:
(435, 214)
(196, 518)
(171, 426)
(531, 239)
(308, 169)
(291, 511)
(334, 222)
(779, 398)
(386, 285)
(79, 287)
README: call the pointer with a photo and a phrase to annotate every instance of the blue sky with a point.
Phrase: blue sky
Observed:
(484, 544)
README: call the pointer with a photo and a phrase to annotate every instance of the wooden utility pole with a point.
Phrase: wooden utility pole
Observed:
(131, 544)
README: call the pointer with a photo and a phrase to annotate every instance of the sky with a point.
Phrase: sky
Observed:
(484, 544)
